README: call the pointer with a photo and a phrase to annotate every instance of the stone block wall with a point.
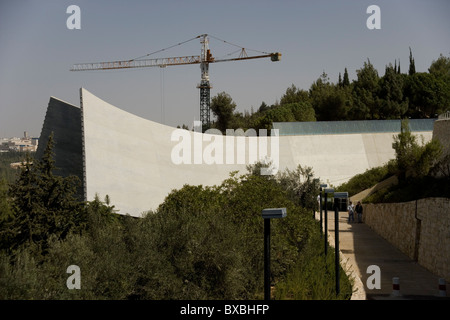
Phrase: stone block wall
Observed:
(420, 229)
(434, 243)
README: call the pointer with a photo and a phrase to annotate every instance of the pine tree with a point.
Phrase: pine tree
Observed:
(43, 205)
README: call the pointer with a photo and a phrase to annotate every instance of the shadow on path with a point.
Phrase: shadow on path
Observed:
(362, 247)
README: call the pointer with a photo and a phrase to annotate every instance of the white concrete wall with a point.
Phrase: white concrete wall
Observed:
(129, 158)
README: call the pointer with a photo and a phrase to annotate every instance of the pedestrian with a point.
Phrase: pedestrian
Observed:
(359, 211)
(351, 217)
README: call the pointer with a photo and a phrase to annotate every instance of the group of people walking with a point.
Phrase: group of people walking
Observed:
(352, 210)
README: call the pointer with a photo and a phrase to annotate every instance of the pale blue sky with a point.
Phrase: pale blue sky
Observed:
(37, 50)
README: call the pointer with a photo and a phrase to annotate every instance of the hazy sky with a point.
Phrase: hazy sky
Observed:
(37, 50)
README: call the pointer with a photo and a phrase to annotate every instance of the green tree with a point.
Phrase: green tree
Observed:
(294, 95)
(440, 67)
(345, 81)
(263, 107)
(5, 207)
(412, 158)
(365, 93)
(5, 213)
(43, 204)
(392, 102)
(427, 94)
(300, 185)
(319, 93)
(223, 108)
(302, 111)
(406, 149)
(330, 101)
(277, 114)
(412, 64)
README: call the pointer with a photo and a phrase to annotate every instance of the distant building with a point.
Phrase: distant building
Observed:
(23, 144)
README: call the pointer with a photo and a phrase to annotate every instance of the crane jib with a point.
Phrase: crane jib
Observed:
(159, 62)
(204, 60)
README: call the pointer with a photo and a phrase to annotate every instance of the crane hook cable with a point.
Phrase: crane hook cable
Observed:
(238, 46)
(178, 44)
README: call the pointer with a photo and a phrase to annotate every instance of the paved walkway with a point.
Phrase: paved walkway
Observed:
(362, 247)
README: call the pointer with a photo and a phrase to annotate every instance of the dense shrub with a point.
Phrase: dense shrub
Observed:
(201, 243)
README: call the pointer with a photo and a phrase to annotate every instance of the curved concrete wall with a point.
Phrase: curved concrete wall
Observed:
(136, 161)
(129, 158)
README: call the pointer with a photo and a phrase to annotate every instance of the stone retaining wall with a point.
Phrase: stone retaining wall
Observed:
(420, 229)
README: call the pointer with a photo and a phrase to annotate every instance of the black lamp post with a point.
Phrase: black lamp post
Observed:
(322, 187)
(327, 191)
(339, 197)
(267, 215)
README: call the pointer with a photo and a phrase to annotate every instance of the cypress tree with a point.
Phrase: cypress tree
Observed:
(346, 81)
(412, 66)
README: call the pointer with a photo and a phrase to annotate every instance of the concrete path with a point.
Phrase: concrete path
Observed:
(361, 247)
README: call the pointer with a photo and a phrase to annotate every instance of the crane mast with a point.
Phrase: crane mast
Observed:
(204, 60)
(205, 85)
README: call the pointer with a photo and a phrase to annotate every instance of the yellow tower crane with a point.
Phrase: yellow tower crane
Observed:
(204, 59)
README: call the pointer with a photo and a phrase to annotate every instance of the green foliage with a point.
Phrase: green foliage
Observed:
(412, 64)
(314, 278)
(5, 204)
(365, 93)
(301, 186)
(440, 68)
(346, 80)
(223, 107)
(278, 114)
(412, 189)
(294, 95)
(201, 243)
(421, 170)
(428, 95)
(368, 179)
(414, 159)
(331, 102)
(302, 111)
(6, 158)
(42, 204)
(393, 105)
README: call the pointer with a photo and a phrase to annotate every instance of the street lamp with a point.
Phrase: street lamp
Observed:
(338, 198)
(322, 187)
(267, 215)
(327, 191)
